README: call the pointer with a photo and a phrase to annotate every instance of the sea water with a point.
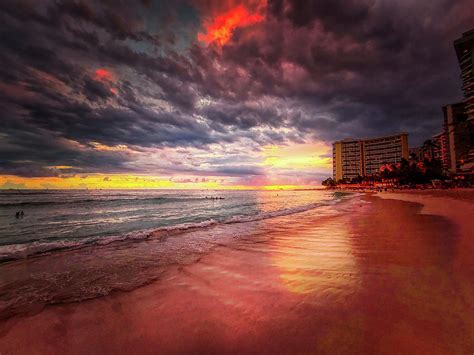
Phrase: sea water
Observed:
(76, 245)
(62, 219)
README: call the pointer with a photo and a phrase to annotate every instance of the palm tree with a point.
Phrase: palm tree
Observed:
(429, 148)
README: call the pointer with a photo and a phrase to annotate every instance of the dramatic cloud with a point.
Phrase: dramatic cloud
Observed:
(205, 89)
(220, 29)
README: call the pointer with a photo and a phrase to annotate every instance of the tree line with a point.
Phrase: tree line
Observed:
(407, 172)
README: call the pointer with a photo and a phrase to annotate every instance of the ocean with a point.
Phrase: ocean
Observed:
(54, 220)
(75, 245)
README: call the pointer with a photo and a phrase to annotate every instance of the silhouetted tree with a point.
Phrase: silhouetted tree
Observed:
(329, 182)
(428, 148)
(433, 169)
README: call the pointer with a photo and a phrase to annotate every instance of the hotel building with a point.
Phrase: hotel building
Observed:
(459, 137)
(464, 47)
(441, 151)
(459, 118)
(354, 157)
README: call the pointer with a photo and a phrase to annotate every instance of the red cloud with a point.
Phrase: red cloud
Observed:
(219, 29)
(102, 74)
(107, 77)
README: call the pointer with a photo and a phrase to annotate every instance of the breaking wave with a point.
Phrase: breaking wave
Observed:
(21, 251)
(158, 200)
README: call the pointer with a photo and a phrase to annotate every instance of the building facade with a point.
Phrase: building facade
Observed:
(440, 150)
(347, 159)
(464, 47)
(363, 157)
(460, 127)
(459, 137)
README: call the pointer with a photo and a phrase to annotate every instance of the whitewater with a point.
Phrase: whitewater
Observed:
(64, 219)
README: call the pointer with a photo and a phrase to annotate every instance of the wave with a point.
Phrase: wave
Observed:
(21, 251)
(23, 192)
(89, 200)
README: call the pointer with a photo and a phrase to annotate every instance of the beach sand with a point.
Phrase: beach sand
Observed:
(395, 274)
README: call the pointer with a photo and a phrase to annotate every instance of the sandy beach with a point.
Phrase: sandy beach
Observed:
(392, 273)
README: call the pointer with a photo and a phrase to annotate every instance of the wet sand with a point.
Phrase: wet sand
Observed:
(390, 276)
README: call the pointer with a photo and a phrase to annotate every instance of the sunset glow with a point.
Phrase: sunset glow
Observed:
(231, 94)
(123, 181)
(103, 147)
(221, 28)
(298, 156)
(236, 177)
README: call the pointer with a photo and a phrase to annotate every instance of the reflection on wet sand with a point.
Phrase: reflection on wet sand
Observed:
(316, 258)
(382, 279)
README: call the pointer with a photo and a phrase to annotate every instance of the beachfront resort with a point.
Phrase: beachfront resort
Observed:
(446, 159)
(161, 166)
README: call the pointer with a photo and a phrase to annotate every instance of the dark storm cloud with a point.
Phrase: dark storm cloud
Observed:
(337, 15)
(31, 153)
(386, 66)
(95, 90)
(51, 93)
(241, 115)
(321, 70)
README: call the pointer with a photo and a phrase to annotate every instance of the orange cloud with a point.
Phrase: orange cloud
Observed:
(221, 27)
(108, 148)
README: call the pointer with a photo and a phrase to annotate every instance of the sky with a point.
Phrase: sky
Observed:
(215, 94)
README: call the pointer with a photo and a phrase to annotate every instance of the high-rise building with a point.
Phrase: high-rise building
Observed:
(460, 129)
(362, 157)
(459, 137)
(347, 159)
(464, 47)
(440, 149)
(382, 150)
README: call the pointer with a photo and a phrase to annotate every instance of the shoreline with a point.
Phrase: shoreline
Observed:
(390, 275)
(456, 205)
(96, 270)
(23, 251)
